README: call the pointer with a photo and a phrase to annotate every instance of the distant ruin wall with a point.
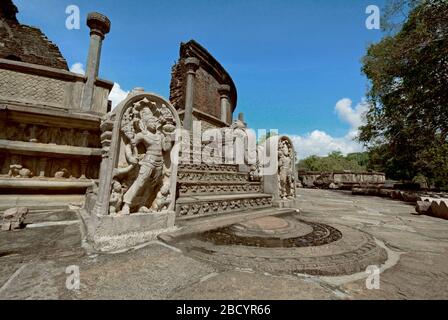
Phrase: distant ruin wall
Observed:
(24, 43)
(206, 96)
(209, 77)
(340, 179)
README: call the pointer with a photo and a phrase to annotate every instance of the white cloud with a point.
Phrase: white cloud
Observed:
(353, 116)
(320, 143)
(116, 95)
(78, 67)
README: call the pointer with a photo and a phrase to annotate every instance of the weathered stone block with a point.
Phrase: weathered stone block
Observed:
(423, 207)
(13, 218)
(109, 233)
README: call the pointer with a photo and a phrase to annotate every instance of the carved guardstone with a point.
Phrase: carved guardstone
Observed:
(279, 171)
(135, 199)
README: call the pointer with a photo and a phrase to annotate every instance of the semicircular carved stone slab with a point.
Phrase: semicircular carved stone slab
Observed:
(278, 170)
(137, 172)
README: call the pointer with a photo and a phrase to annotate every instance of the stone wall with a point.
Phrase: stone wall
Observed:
(206, 96)
(339, 179)
(24, 43)
(48, 143)
(55, 89)
(209, 77)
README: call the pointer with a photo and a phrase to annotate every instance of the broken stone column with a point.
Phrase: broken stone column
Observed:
(224, 91)
(13, 218)
(99, 26)
(192, 64)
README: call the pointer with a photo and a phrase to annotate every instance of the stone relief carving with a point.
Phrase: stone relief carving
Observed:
(194, 188)
(211, 176)
(141, 181)
(38, 88)
(17, 170)
(20, 166)
(214, 207)
(211, 167)
(51, 135)
(285, 170)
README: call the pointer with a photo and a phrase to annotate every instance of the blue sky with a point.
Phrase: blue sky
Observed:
(292, 61)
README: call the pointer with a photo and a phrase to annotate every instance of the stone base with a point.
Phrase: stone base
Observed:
(111, 233)
(288, 204)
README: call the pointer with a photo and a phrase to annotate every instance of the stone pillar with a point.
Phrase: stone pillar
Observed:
(42, 166)
(99, 26)
(84, 163)
(33, 133)
(192, 64)
(224, 91)
(241, 117)
(85, 139)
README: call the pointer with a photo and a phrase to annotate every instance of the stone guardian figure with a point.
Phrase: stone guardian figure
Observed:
(150, 174)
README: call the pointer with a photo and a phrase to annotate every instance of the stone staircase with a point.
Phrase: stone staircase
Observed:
(216, 189)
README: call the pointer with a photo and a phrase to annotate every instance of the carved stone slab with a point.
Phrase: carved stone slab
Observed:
(278, 170)
(135, 198)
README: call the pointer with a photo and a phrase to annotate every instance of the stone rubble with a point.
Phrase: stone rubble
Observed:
(13, 218)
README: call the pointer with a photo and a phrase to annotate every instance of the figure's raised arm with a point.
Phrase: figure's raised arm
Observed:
(137, 139)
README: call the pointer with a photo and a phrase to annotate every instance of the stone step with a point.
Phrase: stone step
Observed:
(43, 216)
(211, 176)
(188, 207)
(40, 201)
(208, 167)
(43, 208)
(189, 227)
(49, 186)
(203, 158)
(202, 188)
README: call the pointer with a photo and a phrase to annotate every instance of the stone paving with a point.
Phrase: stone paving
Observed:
(33, 261)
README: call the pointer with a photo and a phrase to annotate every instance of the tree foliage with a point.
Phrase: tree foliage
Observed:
(407, 124)
(335, 161)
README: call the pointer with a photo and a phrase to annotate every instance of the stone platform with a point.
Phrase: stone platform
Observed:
(33, 260)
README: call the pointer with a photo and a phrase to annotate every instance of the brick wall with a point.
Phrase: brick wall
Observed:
(24, 43)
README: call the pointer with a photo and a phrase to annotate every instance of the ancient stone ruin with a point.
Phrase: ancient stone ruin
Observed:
(183, 170)
(145, 166)
(340, 179)
(49, 117)
(163, 164)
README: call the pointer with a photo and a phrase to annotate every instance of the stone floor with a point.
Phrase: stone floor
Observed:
(33, 261)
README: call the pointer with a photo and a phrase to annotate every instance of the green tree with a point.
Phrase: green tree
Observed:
(407, 123)
(335, 161)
